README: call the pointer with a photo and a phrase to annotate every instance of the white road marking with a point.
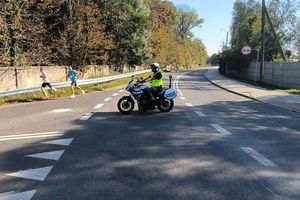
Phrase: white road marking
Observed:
(38, 174)
(258, 157)
(176, 84)
(53, 155)
(221, 129)
(200, 114)
(97, 107)
(86, 116)
(121, 91)
(107, 99)
(115, 94)
(182, 98)
(61, 110)
(6, 193)
(62, 142)
(189, 104)
(17, 196)
(30, 136)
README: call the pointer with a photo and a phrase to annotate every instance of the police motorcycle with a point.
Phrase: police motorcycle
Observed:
(163, 100)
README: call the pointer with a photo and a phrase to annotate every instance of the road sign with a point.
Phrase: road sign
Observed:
(246, 50)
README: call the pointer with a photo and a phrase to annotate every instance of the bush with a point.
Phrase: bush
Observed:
(233, 60)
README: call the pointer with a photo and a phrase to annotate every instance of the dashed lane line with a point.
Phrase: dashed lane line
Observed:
(121, 91)
(107, 99)
(61, 110)
(258, 157)
(200, 114)
(97, 107)
(115, 94)
(87, 116)
(220, 129)
(189, 104)
(182, 98)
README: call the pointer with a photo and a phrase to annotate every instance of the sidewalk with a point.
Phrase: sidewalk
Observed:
(278, 99)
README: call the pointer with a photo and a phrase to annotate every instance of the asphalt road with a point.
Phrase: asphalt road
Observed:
(213, 145)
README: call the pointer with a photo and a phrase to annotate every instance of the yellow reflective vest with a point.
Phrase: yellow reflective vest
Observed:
(156, 82)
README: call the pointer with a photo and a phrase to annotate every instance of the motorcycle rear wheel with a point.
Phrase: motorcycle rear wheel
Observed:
(165, 105)
(126, 105)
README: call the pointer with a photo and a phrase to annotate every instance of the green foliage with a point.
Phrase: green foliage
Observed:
(290, 91)
(214, 59)
(170, 46)
(233, 60)
(246, 26)
(126, 21)
(20, 58)
(186, 20)
(118, 33)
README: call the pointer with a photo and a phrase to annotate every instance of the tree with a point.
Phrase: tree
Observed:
(214, 59)
(4, 58)
(126, 21)
(186, 20)
(80, 32)
(161, 26)
(91, 42)
(246, 25)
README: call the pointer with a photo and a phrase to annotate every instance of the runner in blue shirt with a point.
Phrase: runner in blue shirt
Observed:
(72, 74)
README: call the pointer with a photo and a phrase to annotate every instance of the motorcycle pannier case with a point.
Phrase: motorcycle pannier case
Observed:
(170, 94)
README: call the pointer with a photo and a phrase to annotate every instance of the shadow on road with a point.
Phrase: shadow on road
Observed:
(160, 156)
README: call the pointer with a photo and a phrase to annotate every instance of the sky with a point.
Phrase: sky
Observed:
(217, 15)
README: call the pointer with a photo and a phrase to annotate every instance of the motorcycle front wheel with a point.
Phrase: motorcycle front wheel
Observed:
(126, 105)
(165, 105)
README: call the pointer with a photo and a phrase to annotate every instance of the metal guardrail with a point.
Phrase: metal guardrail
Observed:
(66, 84)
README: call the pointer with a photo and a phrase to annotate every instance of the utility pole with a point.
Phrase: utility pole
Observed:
(226, 40)
(227, 36)
(263, 23)
(275, 35)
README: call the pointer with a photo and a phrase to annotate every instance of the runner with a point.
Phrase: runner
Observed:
(46, 82)
(72, 74)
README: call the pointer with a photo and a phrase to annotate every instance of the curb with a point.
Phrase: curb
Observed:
(248, 97)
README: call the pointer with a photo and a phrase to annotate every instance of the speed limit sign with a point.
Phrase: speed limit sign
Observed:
(246, 50)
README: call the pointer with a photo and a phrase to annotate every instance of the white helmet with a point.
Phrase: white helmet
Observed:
(154, 67)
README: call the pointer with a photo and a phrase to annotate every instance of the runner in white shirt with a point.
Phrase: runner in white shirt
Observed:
(46, 82)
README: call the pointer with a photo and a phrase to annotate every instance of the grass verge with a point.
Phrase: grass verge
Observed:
(64, 92)
(267, 86)
(290, 91)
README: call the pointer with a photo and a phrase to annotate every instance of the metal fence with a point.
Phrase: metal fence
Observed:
(65, 84)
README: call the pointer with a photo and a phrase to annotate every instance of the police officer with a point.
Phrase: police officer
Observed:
(156, 81)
